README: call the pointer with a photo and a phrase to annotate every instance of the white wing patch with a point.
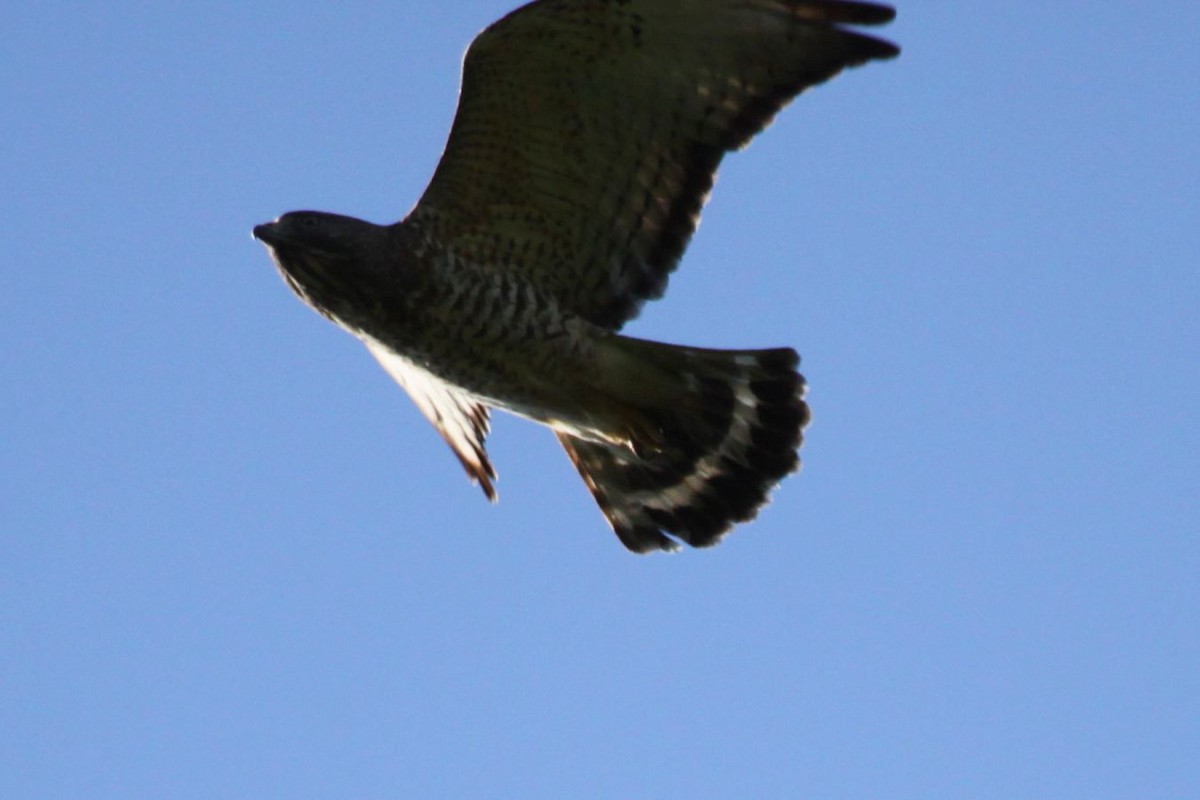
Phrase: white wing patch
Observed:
(462, 421)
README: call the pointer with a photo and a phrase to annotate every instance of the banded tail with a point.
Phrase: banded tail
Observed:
(717, 449)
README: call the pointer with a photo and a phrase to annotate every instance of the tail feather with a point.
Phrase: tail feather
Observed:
(722, 449)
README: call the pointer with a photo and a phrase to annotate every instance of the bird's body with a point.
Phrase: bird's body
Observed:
(587, 138)
(500, 339)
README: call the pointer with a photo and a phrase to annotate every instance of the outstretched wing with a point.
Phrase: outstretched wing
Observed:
(588, 132)
(461, 421)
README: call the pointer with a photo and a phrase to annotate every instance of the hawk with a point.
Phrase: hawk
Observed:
(586, 140)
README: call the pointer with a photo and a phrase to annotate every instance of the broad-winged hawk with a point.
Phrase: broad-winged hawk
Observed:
(587, 137)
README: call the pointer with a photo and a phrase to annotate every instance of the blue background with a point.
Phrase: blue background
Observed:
(236, 562)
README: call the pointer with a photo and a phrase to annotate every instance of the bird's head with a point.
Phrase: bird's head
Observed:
(338, 265)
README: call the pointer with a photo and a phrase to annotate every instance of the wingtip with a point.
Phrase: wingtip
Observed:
(836, 13)
(483, 474)
(873, 13)
(847, 12)
(880, 49)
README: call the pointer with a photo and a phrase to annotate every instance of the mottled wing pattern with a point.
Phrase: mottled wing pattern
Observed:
(461, 421)
(588, 132)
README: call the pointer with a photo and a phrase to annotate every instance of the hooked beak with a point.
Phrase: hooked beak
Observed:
(265, 233)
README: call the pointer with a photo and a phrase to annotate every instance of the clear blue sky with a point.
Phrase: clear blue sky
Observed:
(236, 562)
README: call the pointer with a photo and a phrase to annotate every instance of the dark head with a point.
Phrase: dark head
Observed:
(341, 266)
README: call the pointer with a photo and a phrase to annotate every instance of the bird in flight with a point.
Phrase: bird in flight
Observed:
(587, 137)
